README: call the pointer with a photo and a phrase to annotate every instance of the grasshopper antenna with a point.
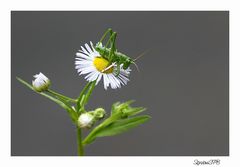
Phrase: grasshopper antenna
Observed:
(138, 57)
(136, 66)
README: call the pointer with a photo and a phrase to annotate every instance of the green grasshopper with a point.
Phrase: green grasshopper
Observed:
(111, 54)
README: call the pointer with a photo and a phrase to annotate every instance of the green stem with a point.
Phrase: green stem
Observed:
(79, 142)
(81, 102)
(80, 98)
(92, 86)
(61, 96)
(84, 96)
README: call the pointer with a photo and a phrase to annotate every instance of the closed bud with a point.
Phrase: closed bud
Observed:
(124, 113)
(99, 113)
(86, 120)
(41, 82)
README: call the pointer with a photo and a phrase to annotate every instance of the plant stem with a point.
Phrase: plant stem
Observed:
(80, 98)
(79, 142)
(86, 98)
(81, 102)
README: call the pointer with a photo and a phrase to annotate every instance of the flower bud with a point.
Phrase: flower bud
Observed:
(86, 120)
(124, 113)
(41, 82)
(99, 113)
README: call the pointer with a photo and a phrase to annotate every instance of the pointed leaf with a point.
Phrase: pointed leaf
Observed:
(62, 103)
(133, 111)
(121, 126)
(92, 135)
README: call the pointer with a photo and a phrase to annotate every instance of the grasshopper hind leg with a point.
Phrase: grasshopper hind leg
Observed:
(118, 70)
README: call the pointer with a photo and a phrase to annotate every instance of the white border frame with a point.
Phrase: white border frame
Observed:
(5, 140)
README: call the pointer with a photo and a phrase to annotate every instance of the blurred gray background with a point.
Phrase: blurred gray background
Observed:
(183, 81)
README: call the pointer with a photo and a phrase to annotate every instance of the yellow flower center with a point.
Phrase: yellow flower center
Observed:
(101, 64)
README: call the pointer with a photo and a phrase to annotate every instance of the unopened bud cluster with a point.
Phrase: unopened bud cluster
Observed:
(87, 119)
(121, 108)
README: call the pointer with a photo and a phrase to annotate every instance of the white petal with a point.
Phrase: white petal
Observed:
(88, 48)
(80, 62)
(92, 46)
(99, 78)
(81, 66)
(89, 75)
(93, 77)
(84, 50)
(116, 80)
(83, 56)
(124, 79)
(89, 63)
(105, 81)
(86, 70)
(113, 81)
(122, 83)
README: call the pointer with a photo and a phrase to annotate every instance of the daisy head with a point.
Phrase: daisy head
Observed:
(41, 82)
(89, 61)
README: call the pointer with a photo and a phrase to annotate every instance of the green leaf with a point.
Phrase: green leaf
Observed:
(133, 111)
(61, 97)
(92, 135)
(118, 122)
(121, 126)
(62, 103)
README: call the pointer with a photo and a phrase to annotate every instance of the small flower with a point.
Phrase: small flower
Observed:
(41, 82)
(90, 62)
(86, 120)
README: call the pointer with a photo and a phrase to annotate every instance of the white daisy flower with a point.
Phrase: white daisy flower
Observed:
(41, 82)
(90, 62)
(85, 120)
